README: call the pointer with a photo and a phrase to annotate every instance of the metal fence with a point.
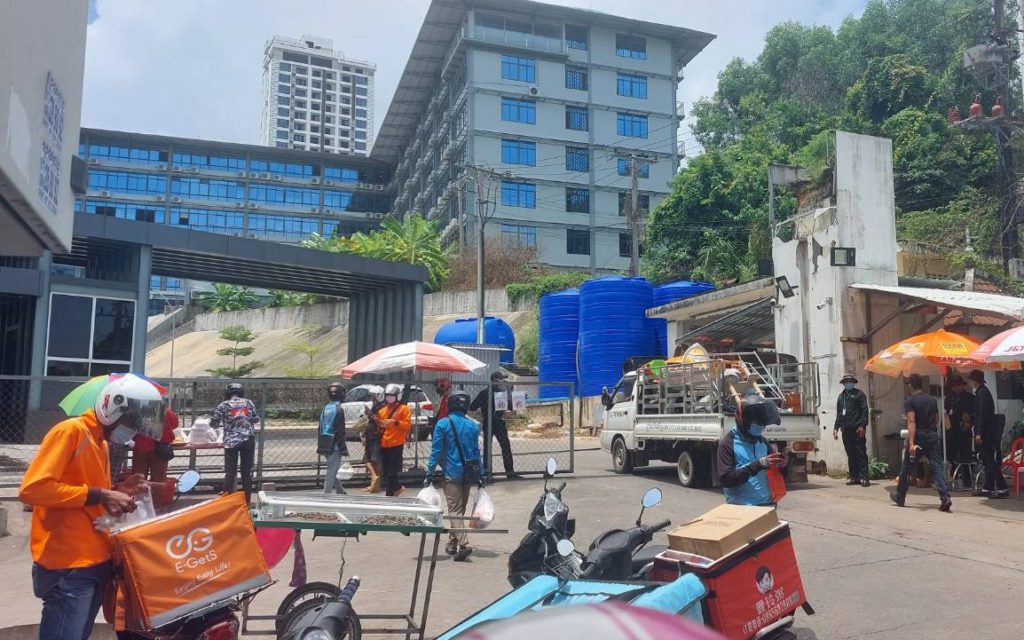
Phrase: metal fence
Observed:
(287, 436)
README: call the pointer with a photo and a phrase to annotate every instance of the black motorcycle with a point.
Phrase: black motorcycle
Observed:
(324, 619)
(615, 555)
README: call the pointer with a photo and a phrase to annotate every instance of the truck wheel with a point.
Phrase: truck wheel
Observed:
(621, 460)
(690, 470)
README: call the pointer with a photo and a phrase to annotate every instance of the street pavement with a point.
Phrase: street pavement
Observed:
(871, 570)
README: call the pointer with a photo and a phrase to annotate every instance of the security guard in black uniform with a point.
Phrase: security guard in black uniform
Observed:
(852, 420)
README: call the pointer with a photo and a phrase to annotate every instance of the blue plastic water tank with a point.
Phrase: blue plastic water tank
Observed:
(671, 292)
(556, 343)
(496, 331)
(613, 328)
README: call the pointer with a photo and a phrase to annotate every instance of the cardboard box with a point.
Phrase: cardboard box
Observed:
(722, 530)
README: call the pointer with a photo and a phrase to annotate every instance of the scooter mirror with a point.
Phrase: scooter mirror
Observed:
(565, 548)
(188, 481)
(652, 498)
(551, 467)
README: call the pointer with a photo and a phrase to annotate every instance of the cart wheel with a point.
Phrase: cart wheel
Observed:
(315, 592)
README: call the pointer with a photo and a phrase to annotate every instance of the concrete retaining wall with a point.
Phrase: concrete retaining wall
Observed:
(335, 314)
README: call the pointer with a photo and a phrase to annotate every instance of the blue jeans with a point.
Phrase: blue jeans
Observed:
(931, 449)
(71, 599)
(330, 477)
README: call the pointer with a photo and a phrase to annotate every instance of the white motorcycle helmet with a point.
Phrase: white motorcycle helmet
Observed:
(393, 390)
(134, 403)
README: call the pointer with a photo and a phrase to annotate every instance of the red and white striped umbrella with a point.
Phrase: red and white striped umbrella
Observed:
(1007, 346)
(414, 357)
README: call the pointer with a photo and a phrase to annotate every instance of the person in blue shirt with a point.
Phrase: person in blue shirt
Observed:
(744, 456)
(456, 447)
(331, 436)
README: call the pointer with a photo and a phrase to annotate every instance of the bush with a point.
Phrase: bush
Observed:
(504, 263)
(878, 469)
(527, 342)
(535, 287)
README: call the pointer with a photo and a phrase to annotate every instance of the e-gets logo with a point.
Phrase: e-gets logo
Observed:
(192, 550)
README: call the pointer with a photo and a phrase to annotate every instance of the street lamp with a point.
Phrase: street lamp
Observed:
(786, 289)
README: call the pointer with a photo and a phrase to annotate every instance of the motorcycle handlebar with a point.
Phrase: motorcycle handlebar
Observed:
(349, 591)
(560, 487)
(661, 525)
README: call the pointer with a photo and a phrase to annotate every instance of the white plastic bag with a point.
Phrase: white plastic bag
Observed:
(345, 471)
(483, 510)
(431, 496)
(201, 432)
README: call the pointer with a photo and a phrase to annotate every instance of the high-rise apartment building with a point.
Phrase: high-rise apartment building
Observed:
(556, 102)
(315, 98)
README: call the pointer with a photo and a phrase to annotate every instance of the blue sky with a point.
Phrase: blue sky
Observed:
(193, 67)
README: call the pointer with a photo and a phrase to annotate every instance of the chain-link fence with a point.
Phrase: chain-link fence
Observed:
(525, 434)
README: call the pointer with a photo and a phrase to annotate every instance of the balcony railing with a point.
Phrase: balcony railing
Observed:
(519, 39)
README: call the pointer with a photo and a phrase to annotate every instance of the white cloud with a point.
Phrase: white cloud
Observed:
(193, 68)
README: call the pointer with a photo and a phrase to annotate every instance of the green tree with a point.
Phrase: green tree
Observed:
(237, 335)
(305, 343)
(226, 297)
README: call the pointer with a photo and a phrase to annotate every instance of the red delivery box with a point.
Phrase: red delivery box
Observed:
(749, 589)
(186, 560)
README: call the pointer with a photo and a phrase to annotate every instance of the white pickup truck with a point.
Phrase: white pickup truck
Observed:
(677, 413)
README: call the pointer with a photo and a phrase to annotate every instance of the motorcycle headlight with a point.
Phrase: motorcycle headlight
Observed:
(552, 505)
(317, 634)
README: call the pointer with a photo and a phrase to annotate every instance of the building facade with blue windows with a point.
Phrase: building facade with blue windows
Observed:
(556, 101)
(251, 191)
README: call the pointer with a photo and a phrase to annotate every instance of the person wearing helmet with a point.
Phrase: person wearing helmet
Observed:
(393, 424)
(238, 416)
(331, 436)
(744, 456)
(370, 437)
(68, 485)
(484, 403)
(443, 387)
(456, 447)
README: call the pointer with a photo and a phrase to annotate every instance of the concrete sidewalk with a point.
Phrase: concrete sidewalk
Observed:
(872, 570)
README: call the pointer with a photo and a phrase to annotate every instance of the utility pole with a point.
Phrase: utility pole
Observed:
(634, 216)
(1008, 218)
(486, 193)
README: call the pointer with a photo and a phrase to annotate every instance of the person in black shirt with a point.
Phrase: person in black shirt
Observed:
(987, 434)
(922, 439)
(484, 403)
(960, 410)
(852, 421)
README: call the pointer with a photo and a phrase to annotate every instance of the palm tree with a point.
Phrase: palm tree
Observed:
(226, 297)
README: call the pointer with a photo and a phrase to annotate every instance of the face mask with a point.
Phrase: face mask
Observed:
(756, 430)
(121, 435)
(391, 399)
(849, 386)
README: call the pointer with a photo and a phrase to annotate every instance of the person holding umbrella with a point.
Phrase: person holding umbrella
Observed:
(68, 485)
(987, 435)
(852, 420)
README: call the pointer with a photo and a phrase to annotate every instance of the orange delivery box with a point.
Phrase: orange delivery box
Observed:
(187, 560)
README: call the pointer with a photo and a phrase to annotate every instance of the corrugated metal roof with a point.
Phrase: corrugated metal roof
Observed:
(752, 325)
(441, 25)
(992, 304)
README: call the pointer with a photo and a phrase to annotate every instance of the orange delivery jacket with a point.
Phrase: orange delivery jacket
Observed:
(72, 460)
(396, 432)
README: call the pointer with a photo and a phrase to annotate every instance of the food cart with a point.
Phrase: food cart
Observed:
(349, 516)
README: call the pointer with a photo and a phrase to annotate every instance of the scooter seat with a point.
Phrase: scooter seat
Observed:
(646, 556)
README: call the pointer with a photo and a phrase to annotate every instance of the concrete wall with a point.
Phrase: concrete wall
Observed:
(811, 324)
(336, 313)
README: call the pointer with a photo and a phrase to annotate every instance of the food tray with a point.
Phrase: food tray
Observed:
(376, 511)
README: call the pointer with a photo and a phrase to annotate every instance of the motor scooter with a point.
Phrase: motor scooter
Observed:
(549, 523)
(332, 619)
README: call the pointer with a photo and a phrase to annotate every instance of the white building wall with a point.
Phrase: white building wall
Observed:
(811, 324)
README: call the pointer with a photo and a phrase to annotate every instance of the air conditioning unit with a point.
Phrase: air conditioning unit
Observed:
(328, 210)
(161, 167)
(315, 180)
(277, 178)
(241, 174)
(379, 187)
(93, 161)
(105, 194)
(160, 198)
(328, 182)
(239, 205)
(177, 167)
(265, 176)
(175, 199)
(379, 216)
(193, 170)
(534, 90)
(253, 174)
(314, 209)
(254, 205)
